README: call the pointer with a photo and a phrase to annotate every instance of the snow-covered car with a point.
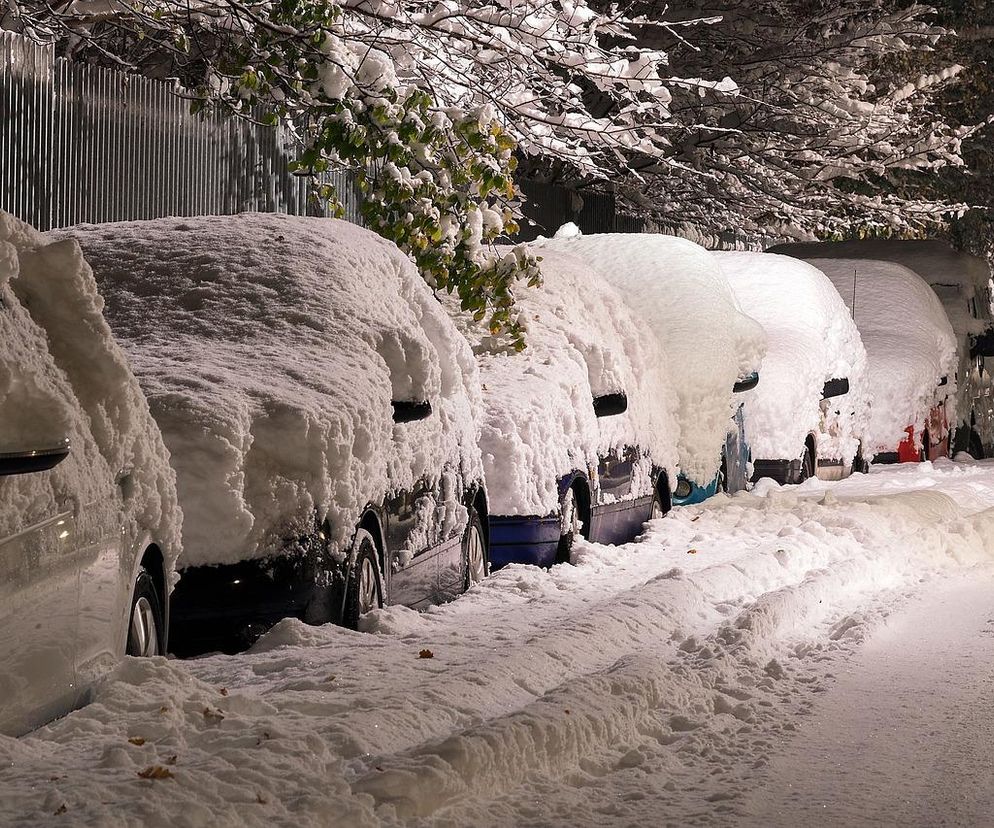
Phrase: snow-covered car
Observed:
(676, 290)
(911, 355)
(322, 414)
(89, 523)
(578, 436)
(963, 284)
(809, 413)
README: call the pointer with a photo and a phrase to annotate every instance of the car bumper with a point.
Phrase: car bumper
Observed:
(783, 471)
(524, 539)
(698, 494)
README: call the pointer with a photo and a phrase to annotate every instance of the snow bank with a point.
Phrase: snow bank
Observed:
(270, 348)
(63, 376)
(811, 339)
(676, 289)
(539, 423)
(909, 343)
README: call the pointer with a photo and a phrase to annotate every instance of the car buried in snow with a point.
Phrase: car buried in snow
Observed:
(675, 290)
(89, 522)
(321, 411)
(963, 284)
(911, 356)
(808, 416)
(577, 437)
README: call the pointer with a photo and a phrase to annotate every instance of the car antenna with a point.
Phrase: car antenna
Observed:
(854, 294)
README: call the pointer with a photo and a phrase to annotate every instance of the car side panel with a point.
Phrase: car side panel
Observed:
(39, 593)
(412, 565)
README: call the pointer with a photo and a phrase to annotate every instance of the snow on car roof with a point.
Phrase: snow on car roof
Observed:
(539, 423)
(676, 288)
(270, 348)
(811, 339)
(909, 343)
(62, 370)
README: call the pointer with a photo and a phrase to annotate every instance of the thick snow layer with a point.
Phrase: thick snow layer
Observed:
(649, 684)
(63, 376)
(676, 289)
(957, 278)
(270, 348)
(909, 343)
(539, 423)
(811, 338)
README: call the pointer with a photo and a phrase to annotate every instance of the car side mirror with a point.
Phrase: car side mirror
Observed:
(409, 411)
(33, 460)
(607, 405)
(747, 383)
(835, 388)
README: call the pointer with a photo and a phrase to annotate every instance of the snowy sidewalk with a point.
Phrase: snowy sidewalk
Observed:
(906, 736)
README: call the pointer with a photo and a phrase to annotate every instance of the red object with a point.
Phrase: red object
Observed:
(938, 434)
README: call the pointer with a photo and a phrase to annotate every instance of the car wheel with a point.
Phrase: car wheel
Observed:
(570, 526)
(474, 551)
(723, 474)
(364, 591)
(807, 465)
(859, 464)
(146, 627)
(926, 445)
(976, 446)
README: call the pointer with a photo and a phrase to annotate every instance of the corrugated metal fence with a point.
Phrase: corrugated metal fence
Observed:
(84, 144)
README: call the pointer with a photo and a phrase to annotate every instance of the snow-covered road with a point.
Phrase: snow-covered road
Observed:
(668, 681)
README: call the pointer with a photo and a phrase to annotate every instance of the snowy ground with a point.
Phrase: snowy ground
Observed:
(712, 674)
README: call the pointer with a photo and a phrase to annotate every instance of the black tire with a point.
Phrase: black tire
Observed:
(926, 444)
(659, 506)
(976, 446)
(146, 627)
(364, 589)
(475, 555)
(578, 525)
(807, 465)
(723, 474)
(859, 464)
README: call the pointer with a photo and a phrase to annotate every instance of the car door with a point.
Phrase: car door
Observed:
(413, 573)
(39, 570)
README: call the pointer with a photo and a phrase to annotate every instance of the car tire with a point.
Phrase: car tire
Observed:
(976, 446)
(475, 556)
(723, 474)
(926, 443)
(859, 464)
(146, 627)
(364, 588)
(571, 524)
(657, 508)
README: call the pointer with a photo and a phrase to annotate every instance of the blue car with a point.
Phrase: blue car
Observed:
(578, 431)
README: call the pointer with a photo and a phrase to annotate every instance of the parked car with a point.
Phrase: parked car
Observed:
(322, 414)
(89, 524)
(578, 437)
(676, 289)
(911, 351)
(963, 284)
(809, 413)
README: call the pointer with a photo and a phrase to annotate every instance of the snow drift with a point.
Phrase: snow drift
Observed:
(811, 339)
(676, 290)
(62, 375)
(539, 423)
(270, 348)
(910, 345)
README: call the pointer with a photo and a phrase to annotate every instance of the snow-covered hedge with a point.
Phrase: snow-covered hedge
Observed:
(63, 376)
(676, 291)
(539, 422)
(811, 339)
(270, 348)
(910, 345)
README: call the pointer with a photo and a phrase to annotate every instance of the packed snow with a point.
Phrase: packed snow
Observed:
(539, 422)
(653, 682)
(270, 348)
(910, 346)
(676, 289)
(62, 376)
(811, 338)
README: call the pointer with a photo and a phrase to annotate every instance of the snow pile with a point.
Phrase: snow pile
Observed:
(676, 289)
(909, 343)
(539, 423)
(270, 348)
(647, 679)
(63, 376)
(811, 339)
